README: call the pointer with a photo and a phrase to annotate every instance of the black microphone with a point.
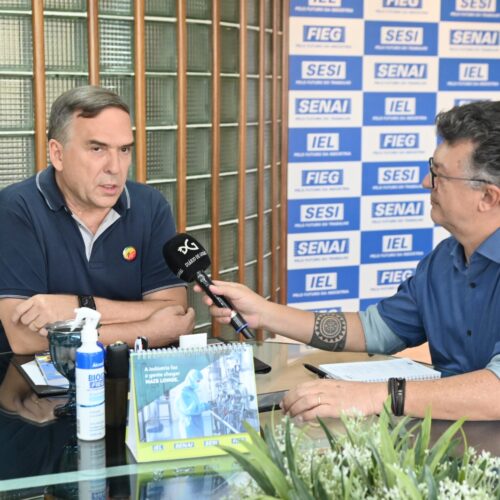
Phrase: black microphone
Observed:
(188, 260)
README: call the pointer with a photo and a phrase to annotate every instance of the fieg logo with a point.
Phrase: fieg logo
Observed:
(398, 175)
(393, 276)
(481, 38)
(331, 177)
(402, 4)
(473, 72)
(390, 35)
(400, 106)
(401, 71)
(476, 5)
(397, 243)
(323, 106)
(390, 209)
(322, 34)
(313, 248)
(321, 281)
(325, 3)
(324, 70)
(320, 213)
(323, 142)
(399, 141)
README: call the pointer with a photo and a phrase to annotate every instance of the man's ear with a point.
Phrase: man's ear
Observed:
(490, 199)
(56, 152)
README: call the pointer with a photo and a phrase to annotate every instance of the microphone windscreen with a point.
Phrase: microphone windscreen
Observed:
(185, 256)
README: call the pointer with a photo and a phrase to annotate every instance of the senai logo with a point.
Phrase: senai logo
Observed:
(308, 248)
(323, 106)
(401, 71)
(481, 38)
(390, 209)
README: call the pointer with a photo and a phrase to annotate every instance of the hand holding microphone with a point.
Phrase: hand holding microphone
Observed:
(188, 260)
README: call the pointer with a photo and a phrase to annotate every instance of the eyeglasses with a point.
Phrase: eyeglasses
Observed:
(434, 175)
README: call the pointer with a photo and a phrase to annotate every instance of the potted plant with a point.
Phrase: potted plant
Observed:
(382, 458)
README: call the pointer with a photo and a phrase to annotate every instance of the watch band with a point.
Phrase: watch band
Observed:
(86, 301)
(396, 388)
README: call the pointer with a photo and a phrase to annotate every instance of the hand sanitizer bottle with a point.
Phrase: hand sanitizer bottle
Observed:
(90, 419)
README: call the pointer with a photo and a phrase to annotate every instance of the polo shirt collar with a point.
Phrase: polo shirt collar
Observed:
(47, 185)
(489, 248)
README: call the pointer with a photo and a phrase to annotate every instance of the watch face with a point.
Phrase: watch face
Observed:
(87, 301)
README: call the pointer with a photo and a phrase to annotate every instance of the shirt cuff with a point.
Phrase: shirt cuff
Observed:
(379, 338)
(494, 365)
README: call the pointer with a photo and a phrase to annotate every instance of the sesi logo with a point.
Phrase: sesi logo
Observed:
(473, 72)
(402, 4)
(400, 106)
(482, 38)
(336, 246)
(389, 209)
(398, 175)
(325, 212)
(323, 106)
(327, 70)
(476, 5)
(399, 141)
(323, 142)
(397, 243)
(390, 35)
(321, 281)
(401, 71)
(393, 276)
(333, 177)
(329, 34)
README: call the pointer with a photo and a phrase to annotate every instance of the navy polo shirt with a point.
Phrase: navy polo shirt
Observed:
(42, 249)
(453, 304)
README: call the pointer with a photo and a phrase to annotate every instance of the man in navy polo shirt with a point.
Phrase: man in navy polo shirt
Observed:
(79, 234)
(452, 301)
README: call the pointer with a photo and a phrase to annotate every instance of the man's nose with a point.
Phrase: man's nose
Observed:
(426, 181)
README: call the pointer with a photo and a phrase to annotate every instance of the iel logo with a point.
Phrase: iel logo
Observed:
(129, 253)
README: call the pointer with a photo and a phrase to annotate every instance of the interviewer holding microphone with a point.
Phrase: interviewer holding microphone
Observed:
(452, 301)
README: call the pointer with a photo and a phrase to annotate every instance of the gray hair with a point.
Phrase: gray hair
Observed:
(478, 122)
(87, 101)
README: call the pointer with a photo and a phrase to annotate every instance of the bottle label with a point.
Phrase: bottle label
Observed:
(89, 360)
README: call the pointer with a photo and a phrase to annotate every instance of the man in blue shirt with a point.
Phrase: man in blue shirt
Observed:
(79, 234)
(452, 301)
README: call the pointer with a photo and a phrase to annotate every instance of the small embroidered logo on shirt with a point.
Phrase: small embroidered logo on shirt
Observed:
(129, 253)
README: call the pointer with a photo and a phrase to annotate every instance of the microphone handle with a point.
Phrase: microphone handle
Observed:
(237, 321)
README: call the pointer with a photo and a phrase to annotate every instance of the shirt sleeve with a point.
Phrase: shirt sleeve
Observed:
(494, 365)
(378, 336)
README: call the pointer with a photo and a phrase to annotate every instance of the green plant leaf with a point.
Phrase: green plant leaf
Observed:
(301, 489)
(432, 489)
(273, 448)
(442, 446)
(258, 475)
(289, 451)
(329, 435)
(405, 483)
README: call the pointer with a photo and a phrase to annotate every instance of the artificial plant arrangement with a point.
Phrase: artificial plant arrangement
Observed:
(376, 459)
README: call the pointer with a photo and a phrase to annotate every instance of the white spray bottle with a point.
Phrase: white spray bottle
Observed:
(89, 363)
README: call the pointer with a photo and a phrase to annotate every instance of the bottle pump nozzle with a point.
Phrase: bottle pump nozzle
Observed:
(90, 319)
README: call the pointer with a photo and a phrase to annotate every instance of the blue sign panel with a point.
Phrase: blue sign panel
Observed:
(306, 285)
(469, 74)
(396, 108)
(331, 214)
(395, 38)
(470, 10)
(395, 245)
(394, 178)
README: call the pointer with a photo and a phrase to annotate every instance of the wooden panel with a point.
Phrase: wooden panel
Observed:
(181, 116)
(284, 153)
(93, 40)
(39, 85)
(140, 90)
(242, 139)
(215, 209)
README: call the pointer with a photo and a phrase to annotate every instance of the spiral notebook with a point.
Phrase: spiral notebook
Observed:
(380, 371)
(187, 402)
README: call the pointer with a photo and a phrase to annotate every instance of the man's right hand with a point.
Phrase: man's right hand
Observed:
(249, 304)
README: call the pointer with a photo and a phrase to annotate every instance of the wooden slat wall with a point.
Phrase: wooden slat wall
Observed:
(242, 140)
(140, 91)
(39, 84)
(181, 116)
(215, 191)
(284, 152)
(93, 40)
